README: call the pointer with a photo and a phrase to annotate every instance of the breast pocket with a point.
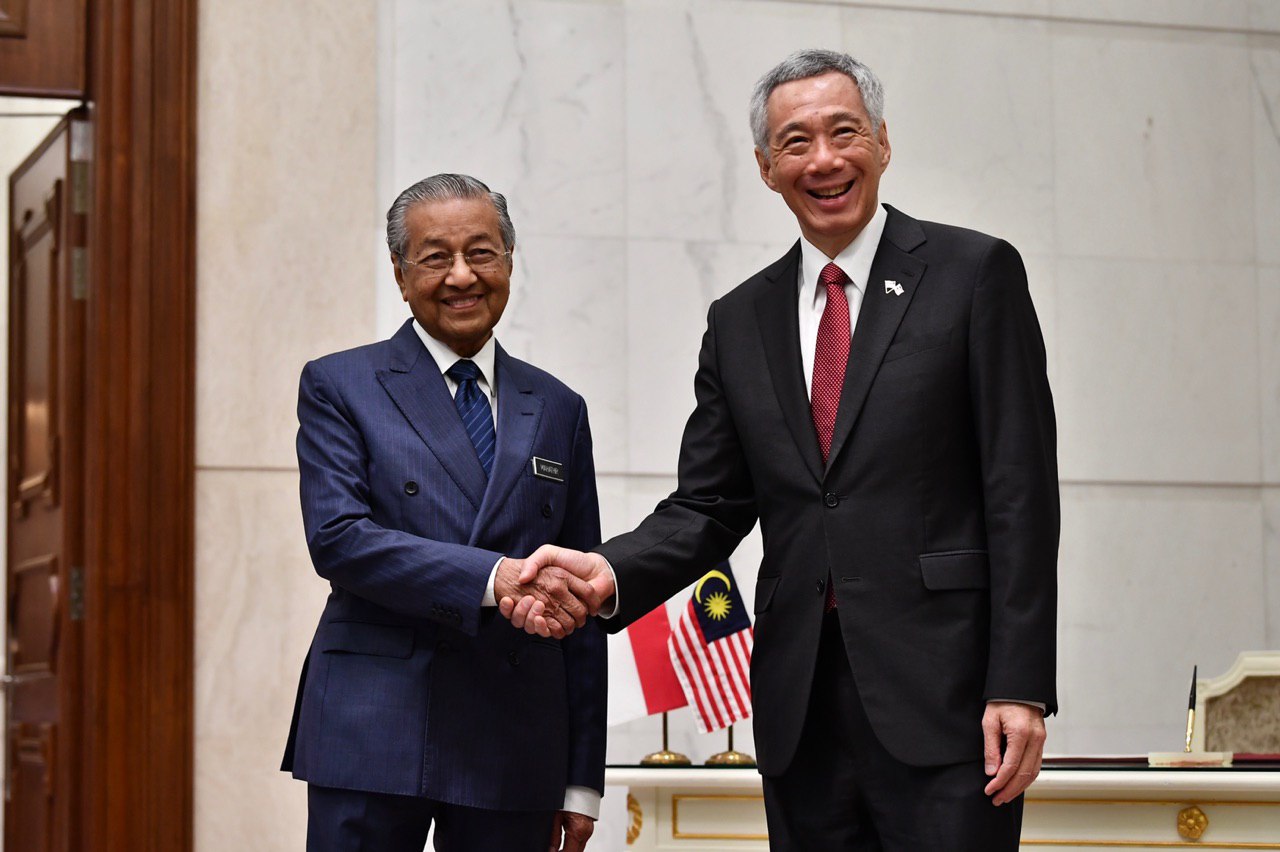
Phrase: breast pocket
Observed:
(916, 344)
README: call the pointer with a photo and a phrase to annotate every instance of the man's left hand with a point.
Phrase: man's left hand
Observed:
(576, 830)
(1020, 729)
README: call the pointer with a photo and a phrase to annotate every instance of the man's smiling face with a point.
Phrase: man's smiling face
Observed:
(458, 306)
(824, 158)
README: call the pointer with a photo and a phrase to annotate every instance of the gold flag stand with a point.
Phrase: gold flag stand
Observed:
(666, 757)
(731, 757)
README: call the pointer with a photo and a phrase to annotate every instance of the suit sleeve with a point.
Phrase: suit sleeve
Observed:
(586, 657)
(405, 573)
(710, 512)
(1017, 442)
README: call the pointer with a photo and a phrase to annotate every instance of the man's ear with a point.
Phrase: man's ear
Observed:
(395, 266)
(886, 153)
(765, 170)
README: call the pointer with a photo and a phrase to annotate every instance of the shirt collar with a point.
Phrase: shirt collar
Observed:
(855, 260)
(446, 357)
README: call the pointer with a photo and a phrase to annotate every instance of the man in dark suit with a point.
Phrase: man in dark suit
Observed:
(424, 459)
(877, 399)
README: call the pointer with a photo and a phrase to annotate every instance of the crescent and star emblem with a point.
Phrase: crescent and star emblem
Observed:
(717, 604)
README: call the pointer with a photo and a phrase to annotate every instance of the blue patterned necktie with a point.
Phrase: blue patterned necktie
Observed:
(473, 408)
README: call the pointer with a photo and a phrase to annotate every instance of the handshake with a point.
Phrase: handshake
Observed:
(553, 591)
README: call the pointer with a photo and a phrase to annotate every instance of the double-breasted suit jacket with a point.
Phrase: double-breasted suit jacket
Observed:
(936, 513)
(411, 687)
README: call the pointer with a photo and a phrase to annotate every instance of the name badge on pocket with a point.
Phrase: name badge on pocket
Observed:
(544, 469)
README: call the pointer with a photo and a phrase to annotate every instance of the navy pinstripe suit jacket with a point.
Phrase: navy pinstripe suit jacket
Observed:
(410, 686)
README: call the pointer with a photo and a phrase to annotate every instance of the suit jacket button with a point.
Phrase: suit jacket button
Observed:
(821, 585)
(830, 500)
(411, 488)
(547, 511)
(513, 658)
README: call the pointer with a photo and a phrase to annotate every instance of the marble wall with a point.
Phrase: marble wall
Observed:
(1131, 150)
(286, 172)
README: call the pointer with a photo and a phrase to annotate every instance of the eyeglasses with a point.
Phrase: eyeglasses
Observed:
(479, 259)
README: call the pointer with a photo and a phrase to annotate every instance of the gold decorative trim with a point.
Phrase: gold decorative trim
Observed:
(636, 819)
(677, 834)
(1192, 823)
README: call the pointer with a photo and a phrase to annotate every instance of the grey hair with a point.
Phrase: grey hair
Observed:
(444, 187)
(802, 65)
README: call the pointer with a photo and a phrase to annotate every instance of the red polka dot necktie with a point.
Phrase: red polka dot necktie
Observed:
(830, 356)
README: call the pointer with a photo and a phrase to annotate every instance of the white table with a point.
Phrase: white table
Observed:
(1068, 808)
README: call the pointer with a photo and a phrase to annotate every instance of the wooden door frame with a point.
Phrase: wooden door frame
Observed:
(140, 430)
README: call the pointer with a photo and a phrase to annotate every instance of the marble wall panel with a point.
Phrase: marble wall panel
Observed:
(1269, 370)
(568, 315)
(691, 173)
(258, 600)
(285, 186)
(972, 147)
(1158, 371)
(671, 284)
(526, 96)
(1264, 67)
(1271, 565)
(243, 802)
(257, 603)
(1264, 16)
(1186, 564)
(1211, 14)
(1145, 165)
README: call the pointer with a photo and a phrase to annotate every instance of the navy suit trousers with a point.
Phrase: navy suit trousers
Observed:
(357, 821)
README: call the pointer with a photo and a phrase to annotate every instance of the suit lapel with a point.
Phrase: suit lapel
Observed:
(416, 385)
(519, 413)
(878, 320)
(778, 317)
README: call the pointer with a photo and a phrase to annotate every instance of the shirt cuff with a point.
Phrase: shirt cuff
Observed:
(611, 609)
(489, 599)
(582, 800)
(1039, 705)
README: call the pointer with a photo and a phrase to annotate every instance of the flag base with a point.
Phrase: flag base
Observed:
(666, 757)
(731, 758)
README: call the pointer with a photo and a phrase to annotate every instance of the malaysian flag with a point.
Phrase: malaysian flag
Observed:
(711, 651)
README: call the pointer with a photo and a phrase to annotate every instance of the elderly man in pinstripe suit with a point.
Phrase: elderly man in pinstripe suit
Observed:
(428, 463)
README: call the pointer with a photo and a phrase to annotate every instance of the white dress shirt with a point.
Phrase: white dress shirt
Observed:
(855, 262)
(579, 800)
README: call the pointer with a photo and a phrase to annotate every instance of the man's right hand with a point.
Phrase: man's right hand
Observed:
(557, 594)
(530, 612)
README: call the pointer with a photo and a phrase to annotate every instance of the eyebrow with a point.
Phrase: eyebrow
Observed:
(430, 242)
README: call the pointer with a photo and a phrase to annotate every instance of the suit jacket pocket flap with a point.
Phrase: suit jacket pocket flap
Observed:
(765, 587)
(912, 345)
(964, 569)
(357, 637)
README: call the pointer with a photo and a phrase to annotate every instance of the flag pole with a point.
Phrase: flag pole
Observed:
(731, 757)
(666, 757)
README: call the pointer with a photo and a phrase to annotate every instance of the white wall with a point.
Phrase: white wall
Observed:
(1130, 149)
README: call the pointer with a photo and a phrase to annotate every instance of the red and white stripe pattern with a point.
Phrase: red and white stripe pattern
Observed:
(715, 675)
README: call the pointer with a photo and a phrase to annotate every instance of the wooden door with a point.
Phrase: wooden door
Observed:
(42, 47)
(48, 260)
